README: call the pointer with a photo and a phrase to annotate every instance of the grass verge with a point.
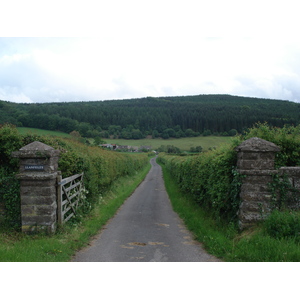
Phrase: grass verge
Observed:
(60, 247)
(224, 240)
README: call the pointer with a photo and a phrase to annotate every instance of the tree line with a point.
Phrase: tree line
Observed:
(166, 117)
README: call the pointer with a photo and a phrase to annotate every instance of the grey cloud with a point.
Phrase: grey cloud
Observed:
(23, 79)
(284, 87)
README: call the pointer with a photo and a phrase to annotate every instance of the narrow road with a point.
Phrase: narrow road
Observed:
(145, 229)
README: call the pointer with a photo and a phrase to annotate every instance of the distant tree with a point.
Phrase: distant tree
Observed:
(23, 118)
(83, 128)
(155, 134)
(125, 134)
(98, 140)
(197, 149)
(180, 134)
(136, 134)
(104, 134)
(177, 128)
(189, 132)
(169, 149)
(75, 134)
(165, 134)
(206, 132)
(171, 132)
(162, 148)
(232, 132)
(173, 149)
(92, 133)
(114, 129)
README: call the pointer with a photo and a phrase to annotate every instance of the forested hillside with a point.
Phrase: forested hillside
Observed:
(160, 117)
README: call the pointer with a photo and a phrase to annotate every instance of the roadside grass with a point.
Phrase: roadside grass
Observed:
(60, 247)
(224, 240)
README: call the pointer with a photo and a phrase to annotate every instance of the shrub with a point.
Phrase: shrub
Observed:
(9, 197)
(287, 138)
(283, 224)
(10, 141)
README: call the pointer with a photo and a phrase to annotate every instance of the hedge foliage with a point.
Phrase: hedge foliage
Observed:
(211, 178)
(100, 167)
(287, 138)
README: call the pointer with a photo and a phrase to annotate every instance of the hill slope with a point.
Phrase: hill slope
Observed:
(162, 116)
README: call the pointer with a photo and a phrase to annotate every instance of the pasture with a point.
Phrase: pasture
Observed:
(28, 130)
(183, 144)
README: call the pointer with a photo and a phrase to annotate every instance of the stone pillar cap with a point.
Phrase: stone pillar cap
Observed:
(256, 144)
(36, 149)
(37, 146)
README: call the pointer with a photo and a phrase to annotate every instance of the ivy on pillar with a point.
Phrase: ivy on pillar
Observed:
(256, 160)
(37, 175)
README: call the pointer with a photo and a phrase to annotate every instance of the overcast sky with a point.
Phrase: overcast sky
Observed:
(128, 49)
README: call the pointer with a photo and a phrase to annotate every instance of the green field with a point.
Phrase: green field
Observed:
(183, 144)
(27, 130)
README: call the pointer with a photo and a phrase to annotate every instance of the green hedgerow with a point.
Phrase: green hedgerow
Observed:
(101, 167)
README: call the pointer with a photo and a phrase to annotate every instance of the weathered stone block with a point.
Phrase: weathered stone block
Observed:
(37, 176)
(45, 210)
(37, 182)
(295, 183)
(40, 200)
(246, 187)
(255, 164)
(37, 190)
(44, 220)
(38, 210)
(28, 210)
(249, 155)
(267, 156)
(257, 179)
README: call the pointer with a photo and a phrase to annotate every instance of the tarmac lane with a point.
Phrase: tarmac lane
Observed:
(145, 229)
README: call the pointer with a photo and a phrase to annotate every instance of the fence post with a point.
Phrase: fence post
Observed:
(59, 199)
(255, 160)
(38, 177)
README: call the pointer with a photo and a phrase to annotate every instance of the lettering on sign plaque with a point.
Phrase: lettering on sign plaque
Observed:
(34, 167)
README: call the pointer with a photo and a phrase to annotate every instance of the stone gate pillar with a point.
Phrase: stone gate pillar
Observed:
(255, 160)
(37, 175)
